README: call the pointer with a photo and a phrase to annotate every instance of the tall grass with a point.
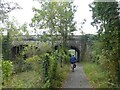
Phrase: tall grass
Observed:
(96, 75)
(29, 79)
(32, 79)
(63, 74)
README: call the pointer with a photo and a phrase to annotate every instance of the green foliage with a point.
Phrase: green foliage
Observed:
(7, 7)
(62, 74)
(57, 17)
(27, 60)
(49, 67)
(5, 47)
(13, 31)
(7, 69)
(63, 55)
(97, 76)
(106, 16)
(51, 71)
(29, 79)
(20, 65)
(96, 51)
(37, 48)
(67, 58)
(34, 62)
(46, 64)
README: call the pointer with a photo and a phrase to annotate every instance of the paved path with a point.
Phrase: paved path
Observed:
(77, 79)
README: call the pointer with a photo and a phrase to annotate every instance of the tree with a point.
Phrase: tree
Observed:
(7, 7)
(57, 17)
(106, 17)
(14, 31)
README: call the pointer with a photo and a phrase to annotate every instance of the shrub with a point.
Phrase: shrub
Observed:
(7, 68)
(34, 61)
(51, 71)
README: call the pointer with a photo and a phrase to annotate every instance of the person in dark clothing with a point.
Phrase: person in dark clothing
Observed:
(72, 61)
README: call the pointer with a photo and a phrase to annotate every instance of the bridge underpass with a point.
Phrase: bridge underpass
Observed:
(77, 51)
(72, 42)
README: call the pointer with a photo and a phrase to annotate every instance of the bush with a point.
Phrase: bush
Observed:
(7, 68)
(34, 61)
(52, 73)
(22, 67)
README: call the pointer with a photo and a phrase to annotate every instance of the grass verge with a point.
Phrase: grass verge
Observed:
(29, 79)
(62, 75)
(32, 79)
(96, 75)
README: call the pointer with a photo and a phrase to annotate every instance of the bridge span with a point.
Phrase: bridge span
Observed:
(73, 42)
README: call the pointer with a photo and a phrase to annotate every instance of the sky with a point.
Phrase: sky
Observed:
(24, 15)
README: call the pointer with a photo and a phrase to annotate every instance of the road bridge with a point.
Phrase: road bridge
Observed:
(73, 42)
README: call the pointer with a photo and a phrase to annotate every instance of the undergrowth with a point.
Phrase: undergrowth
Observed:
(96, 75)
(32, 79)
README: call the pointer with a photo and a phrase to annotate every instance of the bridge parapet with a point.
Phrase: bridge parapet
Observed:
(73, 42)
(26, 40)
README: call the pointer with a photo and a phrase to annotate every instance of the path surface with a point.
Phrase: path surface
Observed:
(77, 79)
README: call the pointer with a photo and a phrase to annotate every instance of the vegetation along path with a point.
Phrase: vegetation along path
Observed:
(77, 79)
